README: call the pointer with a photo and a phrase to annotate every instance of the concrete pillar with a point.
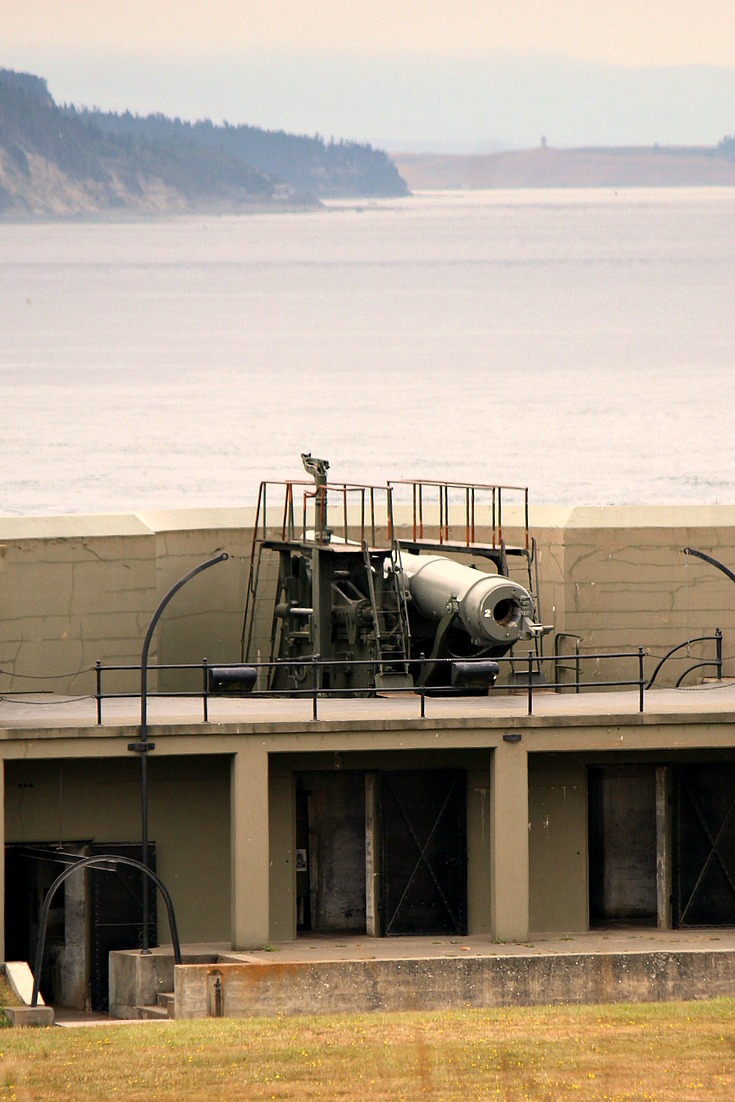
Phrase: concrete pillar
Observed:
(282, 857)
(664, 878)
(250, 849)
(510, 842)
(372, 913)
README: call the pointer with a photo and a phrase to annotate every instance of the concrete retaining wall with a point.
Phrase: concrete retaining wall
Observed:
(252, 990)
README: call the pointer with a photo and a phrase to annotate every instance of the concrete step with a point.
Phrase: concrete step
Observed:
(149, 1012)
(165, 999)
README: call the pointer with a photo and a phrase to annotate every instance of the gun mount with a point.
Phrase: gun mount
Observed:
(360, 595)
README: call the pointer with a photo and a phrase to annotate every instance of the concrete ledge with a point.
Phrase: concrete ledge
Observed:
(29, 1015)
(357, 986)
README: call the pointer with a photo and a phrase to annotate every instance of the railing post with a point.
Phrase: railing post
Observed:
(530, 684)
(315, 680)
(98, 690)
(641, 681)
(718, 653)
(205, 690)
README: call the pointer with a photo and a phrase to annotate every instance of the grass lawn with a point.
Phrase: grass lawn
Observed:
(683, 1052)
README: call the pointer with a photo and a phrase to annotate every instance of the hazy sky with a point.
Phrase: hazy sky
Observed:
(473, 70)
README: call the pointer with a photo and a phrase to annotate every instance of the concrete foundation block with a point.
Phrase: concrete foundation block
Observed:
(29, 1015)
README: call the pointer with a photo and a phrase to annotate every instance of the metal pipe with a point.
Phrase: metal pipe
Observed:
(711, 561)
(144, 746)
(103, 861)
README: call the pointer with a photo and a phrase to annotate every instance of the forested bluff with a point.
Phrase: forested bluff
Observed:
(61, 161)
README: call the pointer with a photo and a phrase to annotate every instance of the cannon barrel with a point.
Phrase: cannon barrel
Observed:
(493, 609)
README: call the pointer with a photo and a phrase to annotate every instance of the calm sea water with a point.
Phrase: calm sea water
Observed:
(578, 342)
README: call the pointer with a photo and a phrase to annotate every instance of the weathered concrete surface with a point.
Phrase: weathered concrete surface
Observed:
(20, 980)
(357, 986)
(29, 1015)
(75, 589)
(137, 980)
(321, 974)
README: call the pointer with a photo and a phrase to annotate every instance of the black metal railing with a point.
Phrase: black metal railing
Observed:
(223, 679)
(716, 661)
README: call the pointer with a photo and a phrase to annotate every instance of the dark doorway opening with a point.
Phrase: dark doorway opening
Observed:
(381, 852)
(93, 912)
(622, 845)
(330, 852)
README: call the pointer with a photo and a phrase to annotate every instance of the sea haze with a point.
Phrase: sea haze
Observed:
(578, 342)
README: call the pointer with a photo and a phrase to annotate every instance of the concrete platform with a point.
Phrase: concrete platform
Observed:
(357, 974)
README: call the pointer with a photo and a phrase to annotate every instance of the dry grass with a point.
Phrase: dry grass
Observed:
(677, 1051)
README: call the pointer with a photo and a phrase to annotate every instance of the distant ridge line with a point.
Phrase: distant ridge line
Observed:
(590, 166)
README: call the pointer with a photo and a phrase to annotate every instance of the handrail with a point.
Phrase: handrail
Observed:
(408, 665)
(716, 662)
(560, 665)
(469, 500)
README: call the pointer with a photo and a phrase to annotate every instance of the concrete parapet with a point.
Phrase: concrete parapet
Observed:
(78, 589)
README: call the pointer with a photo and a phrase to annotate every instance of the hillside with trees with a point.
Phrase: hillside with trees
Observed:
(63, 162)
(327, 169)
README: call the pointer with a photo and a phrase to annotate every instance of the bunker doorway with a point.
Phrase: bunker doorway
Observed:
(381, 852)
(704, 845)
(622, 845)
(93, 912)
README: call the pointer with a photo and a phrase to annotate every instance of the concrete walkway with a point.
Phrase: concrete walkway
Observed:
(312, 948)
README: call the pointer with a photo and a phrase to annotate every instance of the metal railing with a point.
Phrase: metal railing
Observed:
(454, 512)
(716, 661)
(302, 511)
(312, 670)
(564, 662)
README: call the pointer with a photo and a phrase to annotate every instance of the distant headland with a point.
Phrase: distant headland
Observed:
(64, 162)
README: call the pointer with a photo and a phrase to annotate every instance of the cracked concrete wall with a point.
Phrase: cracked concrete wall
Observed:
(72, 590)
(205, 619)
(621, 580)
(76, 589)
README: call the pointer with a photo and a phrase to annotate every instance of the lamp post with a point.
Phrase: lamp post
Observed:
(144, 746)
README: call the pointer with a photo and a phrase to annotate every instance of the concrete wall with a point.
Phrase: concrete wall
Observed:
(362, 986)
(75, 589)
(618, 577)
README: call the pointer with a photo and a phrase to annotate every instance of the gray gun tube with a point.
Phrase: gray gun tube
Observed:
(493, 609)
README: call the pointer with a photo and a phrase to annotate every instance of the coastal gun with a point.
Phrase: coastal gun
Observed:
(362, 597)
